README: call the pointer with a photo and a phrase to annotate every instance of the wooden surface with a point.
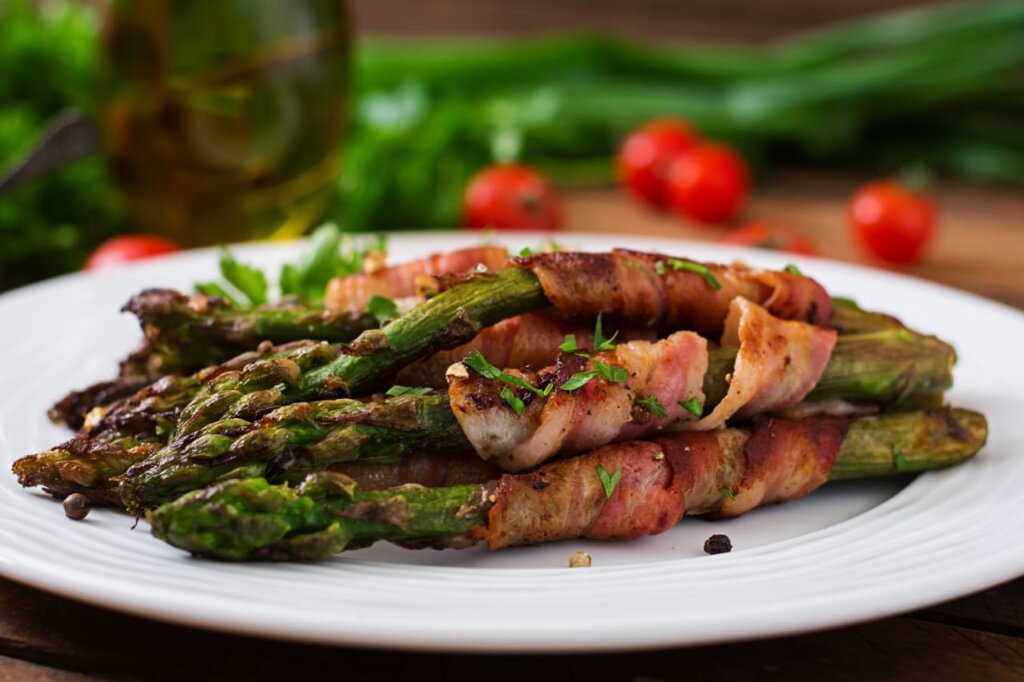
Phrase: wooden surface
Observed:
(981, 248)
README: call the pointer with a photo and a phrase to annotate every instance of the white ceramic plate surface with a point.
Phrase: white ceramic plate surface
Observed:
(849, 552)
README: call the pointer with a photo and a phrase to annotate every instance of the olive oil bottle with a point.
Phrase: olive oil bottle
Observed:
(223, 119)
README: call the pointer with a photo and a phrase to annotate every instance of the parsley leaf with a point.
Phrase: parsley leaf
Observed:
(514, 401)
(214, 289)
(578, 380)
(699, 268)
(612, 373)
(793, 270)
(659, 267)
(479, 364)
(382, 307)
(525, 251)
(727, 491)
(608, 481)
(396, 391)
(652, 405)
(332, 253)
(250, 281)
(569, 345)
(899, 460)
(601, 343)
(693, 406)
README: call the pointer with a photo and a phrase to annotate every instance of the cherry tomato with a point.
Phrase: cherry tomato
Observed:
(892, 222)
(772, 234)
(646, 154)
(708, 183)
(511, 197)
(128, 247)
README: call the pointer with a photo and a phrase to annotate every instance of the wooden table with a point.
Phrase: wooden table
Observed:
(981, 249)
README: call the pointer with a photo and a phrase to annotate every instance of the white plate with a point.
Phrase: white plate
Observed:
(849, 552)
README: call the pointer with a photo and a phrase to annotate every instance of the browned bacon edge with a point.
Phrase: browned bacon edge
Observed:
(351, 293)
(725, 473)
(530, 340)
(649, 288)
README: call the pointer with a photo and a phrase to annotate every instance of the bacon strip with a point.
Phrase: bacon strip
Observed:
(779, 362)
(352, 292)
(525, 341)
(599, 412)
(644, 288)
(663, 478)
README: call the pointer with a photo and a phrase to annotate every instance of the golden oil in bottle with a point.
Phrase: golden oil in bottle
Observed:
(223, 119)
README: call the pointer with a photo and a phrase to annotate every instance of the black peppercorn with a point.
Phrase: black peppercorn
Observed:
(76, 506)
(718, 544)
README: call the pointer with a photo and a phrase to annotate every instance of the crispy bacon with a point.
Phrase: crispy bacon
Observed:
(660, 479)
(599, 412)
(352, 292)
(643, 288)
(778, 363)
(526, 341)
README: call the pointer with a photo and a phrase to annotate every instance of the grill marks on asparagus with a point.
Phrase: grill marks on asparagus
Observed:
(659, 480)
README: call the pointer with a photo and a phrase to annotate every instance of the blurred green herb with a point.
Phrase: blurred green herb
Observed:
(937, 86)
(329, 253)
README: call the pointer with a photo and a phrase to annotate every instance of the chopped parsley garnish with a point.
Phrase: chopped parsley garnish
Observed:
(659, 267)
(899, 460)
(608, 481)
(396, 391)
(727, 491)
(382, 307)
(793, 270)
(569, 345)
(652, 405)
(514, 401)
(525, 251)
(578, 380)
(477, 362)
(693, 406)
(700, 269)
(612, 373)
(601, 343)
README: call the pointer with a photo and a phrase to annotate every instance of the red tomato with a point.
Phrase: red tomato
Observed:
(511, 197)
(127, 248)
(892, 222)
(772, 234)
(708, 183)
(646, 154)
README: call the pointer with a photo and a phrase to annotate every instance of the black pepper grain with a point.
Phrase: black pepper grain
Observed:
(76, 506)
(718, 544)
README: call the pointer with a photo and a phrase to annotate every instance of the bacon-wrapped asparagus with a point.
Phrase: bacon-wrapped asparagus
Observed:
(883, 367)
(632, 288)
(619, 491)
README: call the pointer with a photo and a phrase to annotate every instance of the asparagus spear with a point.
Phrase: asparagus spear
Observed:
(327, 513)
(445, 321)
(184, 334)
(212, 323)
(884, 366)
